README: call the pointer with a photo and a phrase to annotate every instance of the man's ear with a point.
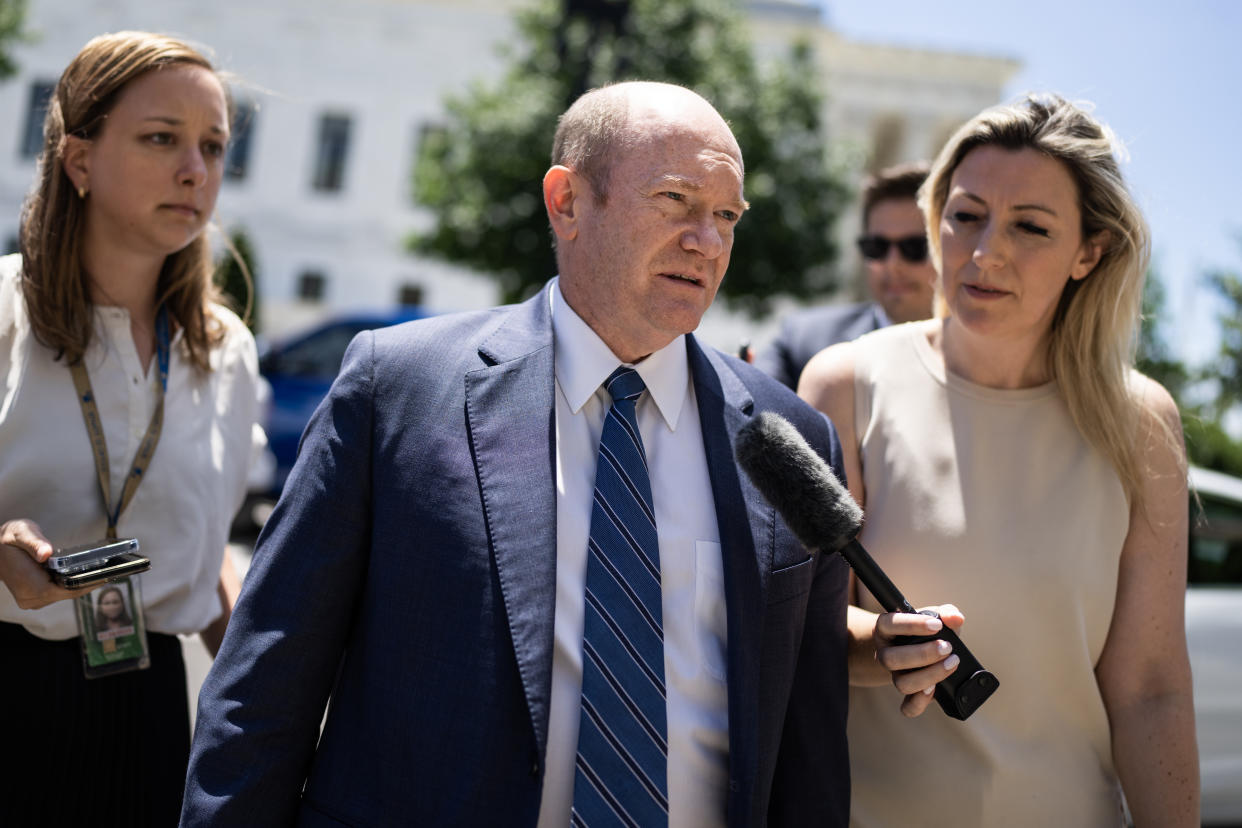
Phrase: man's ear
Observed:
(75, 161)
(1089, 254)
(562, 188)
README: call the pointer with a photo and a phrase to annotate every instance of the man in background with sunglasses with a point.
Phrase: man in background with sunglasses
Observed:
(900, 276)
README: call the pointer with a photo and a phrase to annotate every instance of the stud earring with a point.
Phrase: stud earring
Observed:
(81, 192)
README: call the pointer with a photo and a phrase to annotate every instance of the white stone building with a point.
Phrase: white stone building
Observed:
(344, 88)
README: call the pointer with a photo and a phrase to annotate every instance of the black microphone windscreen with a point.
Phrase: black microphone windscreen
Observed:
(797, 482)
(820, 512)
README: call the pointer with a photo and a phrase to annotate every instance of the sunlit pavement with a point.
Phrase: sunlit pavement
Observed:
(197, 660)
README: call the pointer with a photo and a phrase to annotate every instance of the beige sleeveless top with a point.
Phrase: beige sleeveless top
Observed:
(990, 500)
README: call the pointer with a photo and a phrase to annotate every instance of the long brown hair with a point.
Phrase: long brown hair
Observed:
(54, 284)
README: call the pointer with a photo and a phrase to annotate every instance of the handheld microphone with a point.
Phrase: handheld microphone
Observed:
(822, 515)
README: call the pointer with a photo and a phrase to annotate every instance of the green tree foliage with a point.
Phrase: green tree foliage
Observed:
(1227, 368)
(12, 21)
(1155, 357)
(240, 292)
(1207, 442)
(1209, 445)
(480, 174)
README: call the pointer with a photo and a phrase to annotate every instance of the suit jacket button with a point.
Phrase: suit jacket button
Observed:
(733, 785)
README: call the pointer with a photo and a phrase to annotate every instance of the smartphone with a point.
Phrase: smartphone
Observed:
(88, 555)
(109, 569)
(94, 563)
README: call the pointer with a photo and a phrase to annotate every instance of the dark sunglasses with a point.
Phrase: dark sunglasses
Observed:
(912, 248)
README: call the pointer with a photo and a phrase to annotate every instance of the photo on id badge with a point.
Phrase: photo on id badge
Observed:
(113, 633)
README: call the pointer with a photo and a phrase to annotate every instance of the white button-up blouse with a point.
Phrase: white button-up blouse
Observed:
(195, 483)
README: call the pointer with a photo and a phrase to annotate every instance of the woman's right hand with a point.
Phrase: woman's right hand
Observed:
(916, 668)
(23, 550)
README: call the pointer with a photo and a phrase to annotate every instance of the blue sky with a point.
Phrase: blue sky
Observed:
(1167, 77)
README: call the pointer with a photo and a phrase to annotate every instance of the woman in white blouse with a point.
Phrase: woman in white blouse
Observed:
(112, 296)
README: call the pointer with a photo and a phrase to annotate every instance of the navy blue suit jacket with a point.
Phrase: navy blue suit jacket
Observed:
(409, 571)
(806, 333)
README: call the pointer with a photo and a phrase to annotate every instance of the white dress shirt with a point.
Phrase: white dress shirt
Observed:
(691, 570)
(195, 483)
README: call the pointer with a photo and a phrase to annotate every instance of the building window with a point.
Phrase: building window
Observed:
(311, 286)
(238, 159)
(32, 139)
(410, 293)
(331, 153)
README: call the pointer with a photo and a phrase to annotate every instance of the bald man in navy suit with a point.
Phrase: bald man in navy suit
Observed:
(421, 578)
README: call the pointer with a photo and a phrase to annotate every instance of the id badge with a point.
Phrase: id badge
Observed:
(112, 629)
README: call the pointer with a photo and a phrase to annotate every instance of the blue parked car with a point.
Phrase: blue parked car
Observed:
(301, 370)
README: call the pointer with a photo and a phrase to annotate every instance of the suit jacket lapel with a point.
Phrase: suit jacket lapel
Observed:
(510, 412)
(746, 525)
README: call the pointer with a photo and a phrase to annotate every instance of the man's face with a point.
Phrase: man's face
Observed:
(902, 287)
(646, 264)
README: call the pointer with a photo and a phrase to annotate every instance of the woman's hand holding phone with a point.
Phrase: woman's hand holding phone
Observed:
(23, 551)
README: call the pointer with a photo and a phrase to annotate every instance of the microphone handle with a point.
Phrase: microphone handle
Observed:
(874, 579)
(967, 687)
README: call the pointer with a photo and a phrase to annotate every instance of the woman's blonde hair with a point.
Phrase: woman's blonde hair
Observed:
(55, 286)
(1094, 328)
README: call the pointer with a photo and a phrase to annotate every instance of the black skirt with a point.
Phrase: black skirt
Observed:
(90, 752)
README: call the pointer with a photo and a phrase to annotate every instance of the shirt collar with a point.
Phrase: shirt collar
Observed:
(582, 363)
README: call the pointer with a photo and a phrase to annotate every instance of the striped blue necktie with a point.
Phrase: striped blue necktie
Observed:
(620, 775)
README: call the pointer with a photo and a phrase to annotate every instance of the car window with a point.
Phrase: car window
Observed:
(1216, 543)
(320, 354)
